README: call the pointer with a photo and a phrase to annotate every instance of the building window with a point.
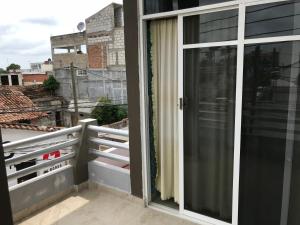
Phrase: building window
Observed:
(4, 80)
(81, 73)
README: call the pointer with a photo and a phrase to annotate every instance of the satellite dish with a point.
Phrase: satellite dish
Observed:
(81, 26)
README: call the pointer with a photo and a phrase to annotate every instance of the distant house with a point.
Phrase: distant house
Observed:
(11, 79)
(37, 73)
(15, 107)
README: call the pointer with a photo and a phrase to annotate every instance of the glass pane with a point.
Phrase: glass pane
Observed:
(184, 4)
(158, 6)
(209, 90)
(270, 20)
(211, 27)
(270, 123)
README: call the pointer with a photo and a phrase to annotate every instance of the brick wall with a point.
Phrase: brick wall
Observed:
(97, 55)
(105, 39)
(34, 78)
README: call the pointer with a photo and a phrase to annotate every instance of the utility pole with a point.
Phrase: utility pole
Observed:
(5, 207)
(76, 117)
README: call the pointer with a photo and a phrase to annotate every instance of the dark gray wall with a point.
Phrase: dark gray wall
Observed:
(133, 93)
(5, 208)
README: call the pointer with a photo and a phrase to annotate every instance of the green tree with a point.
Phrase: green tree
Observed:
(107, 113)
(13, 66)
(2, 71)
(51, 84)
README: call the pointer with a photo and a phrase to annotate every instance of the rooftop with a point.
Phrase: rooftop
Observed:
(14, 104)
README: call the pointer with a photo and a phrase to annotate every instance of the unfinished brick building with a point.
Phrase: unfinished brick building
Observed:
(100, 47)
(105, 38)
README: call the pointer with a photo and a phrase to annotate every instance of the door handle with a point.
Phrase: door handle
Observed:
(181, 103)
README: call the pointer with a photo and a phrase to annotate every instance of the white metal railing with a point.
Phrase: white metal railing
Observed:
(108, 143)
(85, 139)
(124, 133)
(14, 146)
(49, 147)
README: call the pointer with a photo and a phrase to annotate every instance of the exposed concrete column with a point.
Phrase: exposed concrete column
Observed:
(20, 76)
(9, 80)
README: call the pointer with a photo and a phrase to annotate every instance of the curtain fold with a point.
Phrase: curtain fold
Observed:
(165, 111)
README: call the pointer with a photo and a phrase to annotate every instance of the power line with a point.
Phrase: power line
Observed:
(61, 108)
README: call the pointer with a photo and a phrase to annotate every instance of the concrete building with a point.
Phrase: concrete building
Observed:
(100, 47)
(44, 67)
(11, 79)
(38, 73)
(69, 48)
(94, 85)
(98, 55)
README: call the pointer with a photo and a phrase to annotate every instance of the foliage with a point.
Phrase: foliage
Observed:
(107, 113)
(2, 71)
(13, 66)
(51, 84)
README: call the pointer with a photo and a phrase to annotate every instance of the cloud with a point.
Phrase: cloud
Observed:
(22, 47)
(46, 21)
(5, 29)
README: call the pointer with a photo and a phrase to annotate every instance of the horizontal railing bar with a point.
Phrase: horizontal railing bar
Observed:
(107, 130)
(110, 156)
(10, 146)
(37, 167)
(110, 143)
(42, 151)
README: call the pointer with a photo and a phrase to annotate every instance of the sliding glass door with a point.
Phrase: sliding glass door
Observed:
(261, 61)
(209, 90)
(234, 105)
(209, 77)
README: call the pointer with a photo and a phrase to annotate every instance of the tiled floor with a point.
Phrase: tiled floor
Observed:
(102, 207)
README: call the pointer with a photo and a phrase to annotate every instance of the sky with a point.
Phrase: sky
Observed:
(26, 27)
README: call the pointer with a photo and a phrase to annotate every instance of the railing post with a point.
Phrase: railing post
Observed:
(80, 163)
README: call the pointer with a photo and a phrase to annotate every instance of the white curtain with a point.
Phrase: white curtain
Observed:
(165, 109)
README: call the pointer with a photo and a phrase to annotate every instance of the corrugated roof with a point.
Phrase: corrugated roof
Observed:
(15, 106)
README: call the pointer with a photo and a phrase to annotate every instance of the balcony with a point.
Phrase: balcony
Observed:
(91, 185)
